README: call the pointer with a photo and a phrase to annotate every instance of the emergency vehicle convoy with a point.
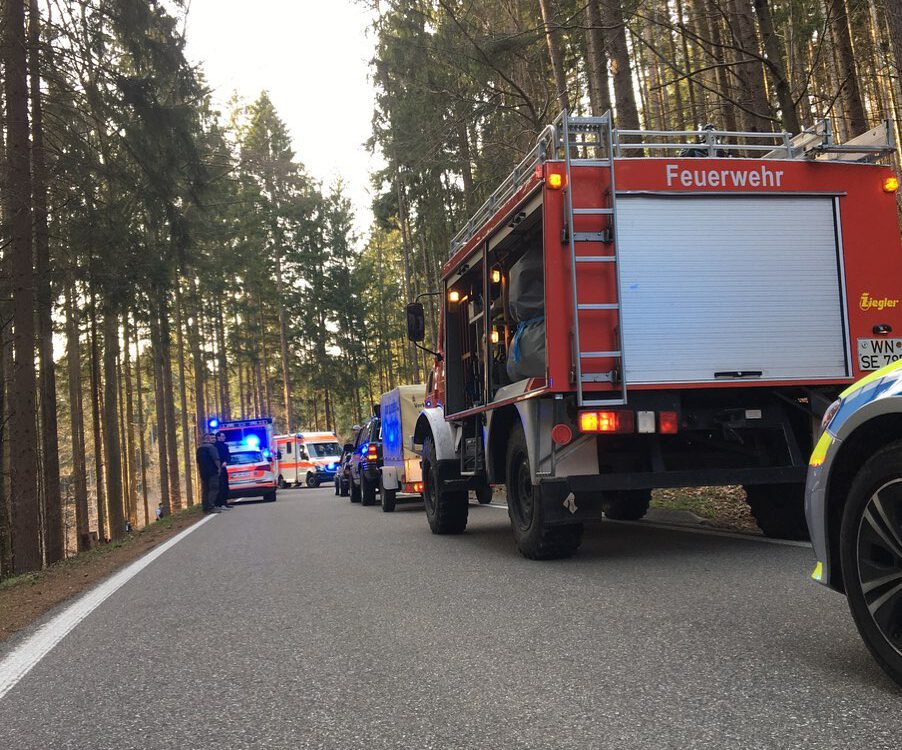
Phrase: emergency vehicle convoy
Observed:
(309, 458)
(633, 310)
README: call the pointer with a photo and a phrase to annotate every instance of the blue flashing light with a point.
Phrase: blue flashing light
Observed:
(332, 467)
(213, 423)
(252, 442)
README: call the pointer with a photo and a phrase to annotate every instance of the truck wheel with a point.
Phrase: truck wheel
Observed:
(535, 539)
(355, 492)
(626, 505)
(389, 498)
(312, 481)
(870, 548)
(779, 510)
(367, 492)
(483, 493)
(446, 510)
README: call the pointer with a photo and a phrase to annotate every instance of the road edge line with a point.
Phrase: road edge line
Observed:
(24, 657)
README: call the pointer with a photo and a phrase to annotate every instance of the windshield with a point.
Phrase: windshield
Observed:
(246, 457)
(322, 450)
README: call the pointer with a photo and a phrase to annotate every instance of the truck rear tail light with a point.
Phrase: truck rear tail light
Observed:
(555, 181)
(891, 184)
(668, 423)
(561, 434)
(607, 421)
(372, 452)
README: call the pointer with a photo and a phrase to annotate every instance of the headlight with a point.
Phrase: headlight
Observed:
(830, 413)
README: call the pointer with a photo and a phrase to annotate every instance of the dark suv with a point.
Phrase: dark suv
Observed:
(342, 473)
(365, 462)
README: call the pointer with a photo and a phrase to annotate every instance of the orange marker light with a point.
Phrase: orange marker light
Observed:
(607, 421)
(555, 181)
(495, 336)
(891, 184)
(496, 276)
(453, 296)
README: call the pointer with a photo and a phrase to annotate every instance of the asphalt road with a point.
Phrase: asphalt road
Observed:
(314, 623)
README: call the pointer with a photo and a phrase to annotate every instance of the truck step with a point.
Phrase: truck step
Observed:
(596, 258)
(593, 211)
(602, 306)
(599, 355)
(598, 377)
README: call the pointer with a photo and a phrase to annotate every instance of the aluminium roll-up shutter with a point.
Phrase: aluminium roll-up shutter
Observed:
(712, 285)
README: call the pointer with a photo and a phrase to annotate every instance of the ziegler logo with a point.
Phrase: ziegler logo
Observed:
(867, 302)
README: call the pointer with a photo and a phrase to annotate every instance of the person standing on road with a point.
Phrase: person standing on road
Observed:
(224, 455)
(208, 466)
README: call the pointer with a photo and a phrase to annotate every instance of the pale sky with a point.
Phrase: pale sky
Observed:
(313, 58)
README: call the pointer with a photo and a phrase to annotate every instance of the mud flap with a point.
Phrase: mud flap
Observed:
(560, 506)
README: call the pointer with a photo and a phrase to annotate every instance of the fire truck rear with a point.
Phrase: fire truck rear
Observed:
(634, 310)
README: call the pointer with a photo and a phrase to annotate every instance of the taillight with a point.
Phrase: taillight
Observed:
(607, 421)
(668, 423)
(259, 472)
(372, 452)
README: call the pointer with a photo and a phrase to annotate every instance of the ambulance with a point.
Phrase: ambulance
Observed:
(307, 458)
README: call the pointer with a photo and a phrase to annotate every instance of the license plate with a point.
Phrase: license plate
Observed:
(875, 353)
(240, 474)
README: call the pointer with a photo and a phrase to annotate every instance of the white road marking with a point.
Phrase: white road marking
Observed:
(22, 659)
(694, 530)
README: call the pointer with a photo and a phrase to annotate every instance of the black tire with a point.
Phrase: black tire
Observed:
(389, 498)
(312, 481)
(446, 510)
(870, 548)
(779, 510)
(483, 493)
(367, 491)
(626, 505)
(270, 497)
(535, 539)
(354, 491)
(344, 489)
(337, 484)
(281, 482)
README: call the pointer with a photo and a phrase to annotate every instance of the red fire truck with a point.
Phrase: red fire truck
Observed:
(633, 310)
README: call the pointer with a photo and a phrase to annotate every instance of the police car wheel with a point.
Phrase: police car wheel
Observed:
(355, 492)
(870, 546)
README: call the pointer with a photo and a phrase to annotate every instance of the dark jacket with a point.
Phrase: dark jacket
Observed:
(206, 456)
(224, 453)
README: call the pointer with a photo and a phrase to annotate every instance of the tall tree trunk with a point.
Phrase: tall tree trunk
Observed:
(54, 537)
(893, 10)
(848, 75)
(112, 447)
(621, 70)
(776, 67)
(132, 461)
(183, 396)
(124, 446)
(756, 110)
(23, 468)
(139, 385)
(175, 492)
(554, 53)
(77, 422)
(97, 426)
(160, 408)
(283, 348)
(225, 406)
(200, 368)
(712, 28)
(596, 62)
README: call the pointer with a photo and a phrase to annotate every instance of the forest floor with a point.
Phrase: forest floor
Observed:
(25, 598)
(722, 507)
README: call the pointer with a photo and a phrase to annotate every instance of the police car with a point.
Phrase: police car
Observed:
(854, 509)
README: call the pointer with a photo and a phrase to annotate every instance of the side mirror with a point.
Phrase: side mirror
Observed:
(416, 321)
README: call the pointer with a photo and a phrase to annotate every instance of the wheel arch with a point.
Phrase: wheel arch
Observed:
(431, 423)
(865, 440)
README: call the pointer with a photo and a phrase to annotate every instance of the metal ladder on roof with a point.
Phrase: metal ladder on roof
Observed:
(579, 137)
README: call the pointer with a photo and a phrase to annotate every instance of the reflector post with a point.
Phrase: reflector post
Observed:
(645, 421)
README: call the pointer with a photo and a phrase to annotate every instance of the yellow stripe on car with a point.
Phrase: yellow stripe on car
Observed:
(820, 450)
(876, 375)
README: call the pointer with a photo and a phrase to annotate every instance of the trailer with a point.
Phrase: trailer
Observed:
(401, 472)
(633, 310)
